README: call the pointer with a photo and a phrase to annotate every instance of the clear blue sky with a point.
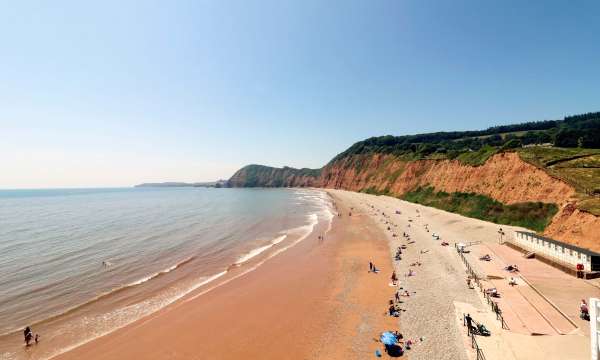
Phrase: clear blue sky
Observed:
(116, 93)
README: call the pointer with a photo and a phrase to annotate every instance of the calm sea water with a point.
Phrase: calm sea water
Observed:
(76, 264)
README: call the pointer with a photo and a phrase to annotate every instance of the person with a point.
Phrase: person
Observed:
(411, 272)
(370, 266)
(27, 335)
(469, 320)
(584, 310)
(397, 296)
(512, 281)
(37, 338)
(394, 277)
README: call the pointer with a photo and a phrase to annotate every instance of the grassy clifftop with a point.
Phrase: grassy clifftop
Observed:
(475, 147)
(576, 166)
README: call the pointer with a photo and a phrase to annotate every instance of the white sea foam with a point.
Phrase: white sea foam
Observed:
(252, 253)
(121, 317)
(259, 250)
(124, 316)
(165, 271)
(279, 239)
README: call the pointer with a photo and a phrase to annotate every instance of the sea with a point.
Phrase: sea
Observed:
(76, 264)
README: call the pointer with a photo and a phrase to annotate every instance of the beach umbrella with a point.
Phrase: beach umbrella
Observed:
(387, 338)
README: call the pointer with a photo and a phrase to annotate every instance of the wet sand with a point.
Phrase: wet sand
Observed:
(313, 301)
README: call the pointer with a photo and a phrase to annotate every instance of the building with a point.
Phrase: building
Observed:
(557, 253)
(595, 328)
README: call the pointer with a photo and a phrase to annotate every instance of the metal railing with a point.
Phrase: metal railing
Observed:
(477, 280)
(474, 345)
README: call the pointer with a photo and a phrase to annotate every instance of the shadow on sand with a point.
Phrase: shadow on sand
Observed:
(394, 350)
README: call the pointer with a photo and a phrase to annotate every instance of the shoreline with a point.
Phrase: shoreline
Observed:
(317, 299)
(143, 295)
(310, 301)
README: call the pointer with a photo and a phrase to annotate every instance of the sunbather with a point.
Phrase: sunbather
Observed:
(492, 292)
(512, 268)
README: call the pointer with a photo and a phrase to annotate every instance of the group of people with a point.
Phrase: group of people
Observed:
(28, 335)
(394, 305)
(373, 268)
(398, 255)
(473, 328)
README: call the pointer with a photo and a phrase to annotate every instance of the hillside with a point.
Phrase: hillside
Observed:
(532, 174)
(266, 176)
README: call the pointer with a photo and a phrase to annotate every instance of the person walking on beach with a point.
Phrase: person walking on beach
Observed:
(469, 320)
(370, 266)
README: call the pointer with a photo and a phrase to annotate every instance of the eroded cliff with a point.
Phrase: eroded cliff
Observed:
(504, 177)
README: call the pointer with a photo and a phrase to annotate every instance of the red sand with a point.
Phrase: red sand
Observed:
(315, 300)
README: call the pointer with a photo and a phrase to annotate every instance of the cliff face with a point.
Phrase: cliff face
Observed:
(266, 176)
(503, 177)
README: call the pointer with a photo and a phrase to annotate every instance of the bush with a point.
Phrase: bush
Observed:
(532, 215)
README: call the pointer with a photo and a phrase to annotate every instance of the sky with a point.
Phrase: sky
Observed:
(115, 93)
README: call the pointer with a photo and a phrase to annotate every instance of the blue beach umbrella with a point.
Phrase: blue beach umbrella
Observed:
(387, 338)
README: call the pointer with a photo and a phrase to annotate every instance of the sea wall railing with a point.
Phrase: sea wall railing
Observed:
(474, 345)
(477, 279)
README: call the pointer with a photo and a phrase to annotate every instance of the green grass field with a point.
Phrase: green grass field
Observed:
(578, 167)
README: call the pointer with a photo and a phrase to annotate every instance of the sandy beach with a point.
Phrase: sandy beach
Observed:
(316, 300)
(541, 311)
